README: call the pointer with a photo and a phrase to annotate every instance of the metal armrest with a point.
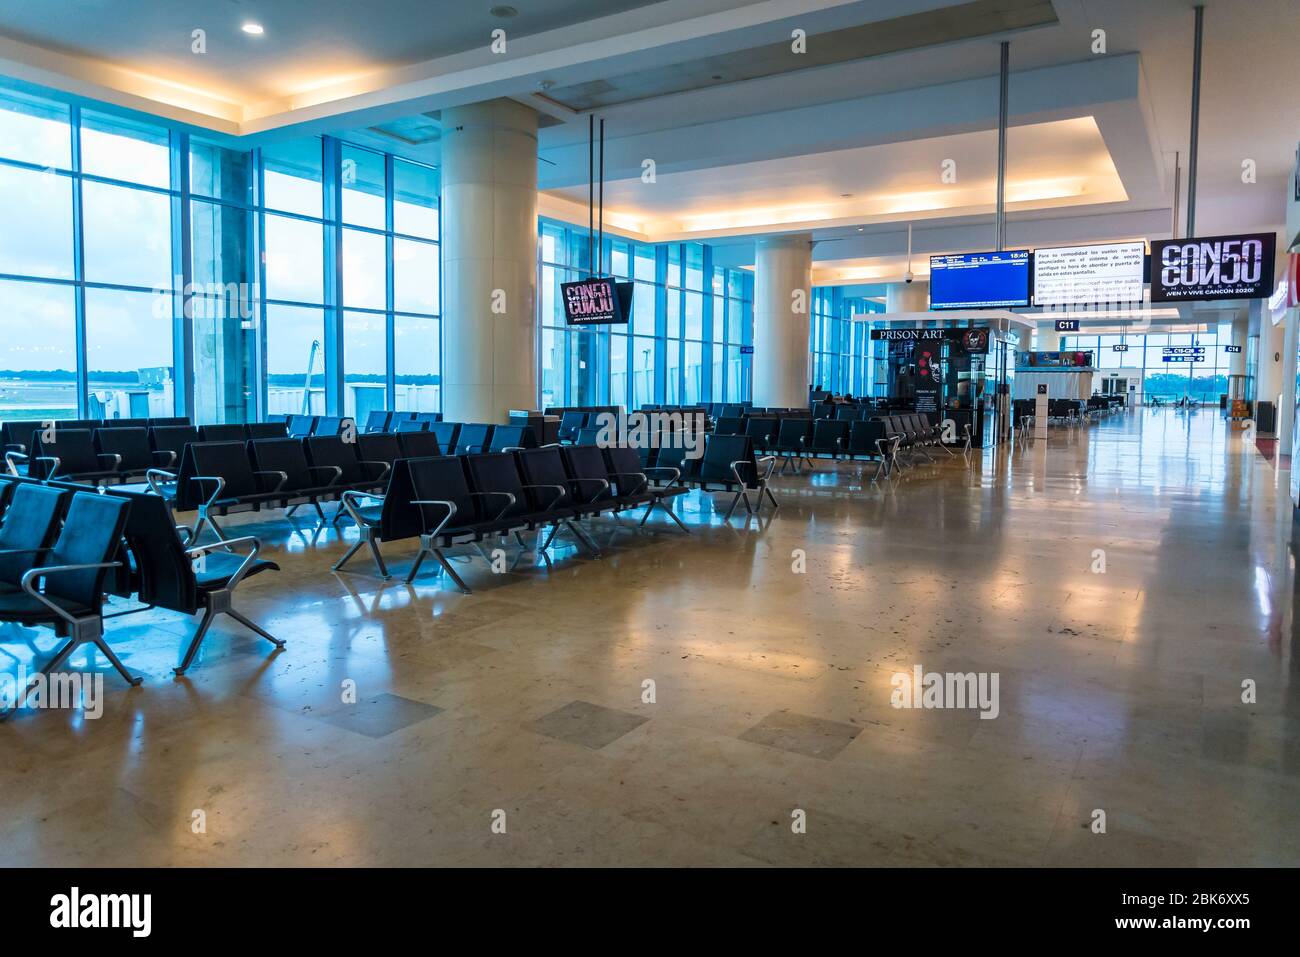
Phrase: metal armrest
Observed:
(216, 493)
(603, 483)
(156, 476)
(171, 457)
(735, 470)
(771, 464)
(186, 533)
(32, 576)
(645, 479)
(449, 506)
(11, 461)
(555, 501)
(49, 458)
(23, 551)
(338, 472)
(350, 501)
(117, 460)
(387, 467)
(244, 566)
(284, 477)
(509, 503)
(677, 473)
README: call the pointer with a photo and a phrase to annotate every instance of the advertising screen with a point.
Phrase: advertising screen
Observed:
(980, 280)
(596, 301)
(1212, 267)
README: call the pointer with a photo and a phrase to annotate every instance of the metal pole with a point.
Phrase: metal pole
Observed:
(1178, 188)
(1196, 122)
(591, 186)
(1002, 146)
(600, 246)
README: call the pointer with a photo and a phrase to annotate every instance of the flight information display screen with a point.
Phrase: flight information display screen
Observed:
(997, 280)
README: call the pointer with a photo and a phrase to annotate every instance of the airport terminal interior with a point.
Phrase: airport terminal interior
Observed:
(649, 433)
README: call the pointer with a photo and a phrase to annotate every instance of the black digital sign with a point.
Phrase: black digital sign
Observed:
(1212, 267)
(596, 301)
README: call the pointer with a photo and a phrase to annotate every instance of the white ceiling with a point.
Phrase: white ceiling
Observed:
(736, 159)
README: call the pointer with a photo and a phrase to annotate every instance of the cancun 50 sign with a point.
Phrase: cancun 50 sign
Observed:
(1212, 267)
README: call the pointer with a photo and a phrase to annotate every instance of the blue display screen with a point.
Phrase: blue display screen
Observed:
(980, 280)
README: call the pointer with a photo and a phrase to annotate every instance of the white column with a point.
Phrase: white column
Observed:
(782, 303)
(1240, 330)
(489, 260)
(1286, 384)
(1272, 352)
(1046, 338)
(907, 297)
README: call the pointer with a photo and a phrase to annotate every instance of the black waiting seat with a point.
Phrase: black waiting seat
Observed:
(570, 423)
(446, 433)
(379, 448)
(301, 426)
(418, 445)
(266, 430)
(188, 578)
(168, 420)
(124, 424)
(452, 512)
(507, 438)
(328, 425)
(472, 439)
(761, 431)
(217, 478)
(73, 574)
(396, 417)
(7, 486)
(30, 527)
(549, 487)
(377, 420)
(223, 432)
(729, 463)
(131, 446)
(427, 416)
(829, 437)
(410, 425)
(632, 482)
(793, 437)
(869, 440)
(169, 441)
(330, 451)
(70, 455)
(729, 425)
(300, 482)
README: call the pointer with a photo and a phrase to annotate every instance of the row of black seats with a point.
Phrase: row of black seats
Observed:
(16, 434)
(117, 453)
(63, 548)
(382, 420)
(454, 500)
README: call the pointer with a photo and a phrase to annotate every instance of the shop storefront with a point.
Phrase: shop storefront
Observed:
(962, 374)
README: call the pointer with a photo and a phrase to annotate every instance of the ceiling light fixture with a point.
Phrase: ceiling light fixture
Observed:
(253, 29)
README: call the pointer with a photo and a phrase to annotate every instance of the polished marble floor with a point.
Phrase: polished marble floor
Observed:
(700, 700)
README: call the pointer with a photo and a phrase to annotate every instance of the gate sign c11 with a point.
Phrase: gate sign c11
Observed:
(1067, 325)
(1212, 267)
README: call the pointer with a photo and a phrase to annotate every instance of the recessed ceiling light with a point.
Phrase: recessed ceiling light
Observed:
(504, 12)
(253, 29)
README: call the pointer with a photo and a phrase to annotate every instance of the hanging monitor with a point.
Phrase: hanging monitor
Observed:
(597, 300)
(998, 280)
(1212, 267)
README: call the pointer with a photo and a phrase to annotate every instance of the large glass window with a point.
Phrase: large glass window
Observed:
(261, 303)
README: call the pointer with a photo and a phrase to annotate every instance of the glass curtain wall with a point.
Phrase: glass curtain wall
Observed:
(685, 342)
(144, 272)
(839, 345)
(1156, 378)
